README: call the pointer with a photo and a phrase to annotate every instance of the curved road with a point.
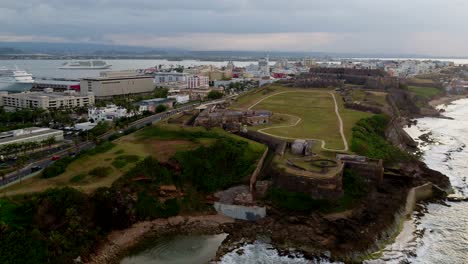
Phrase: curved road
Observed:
(323, 143)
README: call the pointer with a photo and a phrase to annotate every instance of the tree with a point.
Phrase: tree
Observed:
(214, 95)
(161, 108)
(50, 141)
(161, 92)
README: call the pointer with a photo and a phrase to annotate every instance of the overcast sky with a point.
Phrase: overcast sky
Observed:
(432, 27)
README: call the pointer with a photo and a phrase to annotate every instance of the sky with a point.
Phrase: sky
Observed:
(429, 27)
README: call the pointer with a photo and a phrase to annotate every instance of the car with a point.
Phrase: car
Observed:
(55, 158)
(36, 168)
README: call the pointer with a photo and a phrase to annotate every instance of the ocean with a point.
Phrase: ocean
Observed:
(441, 235)
(50, 68)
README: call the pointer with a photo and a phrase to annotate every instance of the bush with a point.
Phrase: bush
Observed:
(78, 178)
(214, 95)
(100, 172)
(149, 207)
(149, 167)
(161, 108)
(56, 168)
(218, 166)
(122, 160)
(369, 140)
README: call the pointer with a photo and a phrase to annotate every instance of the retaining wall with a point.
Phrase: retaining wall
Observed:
(329, 188)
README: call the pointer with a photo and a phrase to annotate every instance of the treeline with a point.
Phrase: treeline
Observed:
(369, 140)
(59, 225)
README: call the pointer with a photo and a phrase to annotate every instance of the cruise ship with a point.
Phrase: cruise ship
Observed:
(86, 65)
(15, 80)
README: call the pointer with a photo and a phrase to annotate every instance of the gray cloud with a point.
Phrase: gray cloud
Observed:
(350, 25)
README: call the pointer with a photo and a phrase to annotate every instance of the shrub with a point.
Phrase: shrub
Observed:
(122, 160)
(161, 108)
(149, 167)
(214, 95)
(100, 172)
(369, 140)
(56, 168)
(218, 166)
(149, 207)
(78, 178)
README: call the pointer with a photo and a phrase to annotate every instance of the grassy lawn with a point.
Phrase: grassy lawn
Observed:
(161, 142)
(371, 98)
(424, 92)
(315, 108)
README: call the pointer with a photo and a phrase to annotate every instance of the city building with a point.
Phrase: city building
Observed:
(45, 100)
(116, 85)
(171, 79)
(197, 82)
(30, 134)
(180, 98)
(109, 113)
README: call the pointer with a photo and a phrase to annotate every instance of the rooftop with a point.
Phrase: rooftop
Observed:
(25, 133)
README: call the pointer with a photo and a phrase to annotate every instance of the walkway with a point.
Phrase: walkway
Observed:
(323, 143)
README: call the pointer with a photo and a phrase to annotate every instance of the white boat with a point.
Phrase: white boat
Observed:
(15, 80)
(86, 65)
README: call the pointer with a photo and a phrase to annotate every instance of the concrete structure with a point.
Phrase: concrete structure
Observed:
(214, 117)
(31, 134)
(371, 169)
(107, 87)
(108, 113)
(171, 79)
(180, 98)
(151, 104)
(301, 147)
(249, 213)
(57, 85)
(45, 100)
(198, 82)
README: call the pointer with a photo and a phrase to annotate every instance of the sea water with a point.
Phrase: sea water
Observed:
(441, 235)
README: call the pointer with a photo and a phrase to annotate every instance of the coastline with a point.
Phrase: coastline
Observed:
(446, 100)
(118, 242)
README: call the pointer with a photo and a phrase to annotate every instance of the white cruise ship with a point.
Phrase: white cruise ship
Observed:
(15, 80)
(86, 65)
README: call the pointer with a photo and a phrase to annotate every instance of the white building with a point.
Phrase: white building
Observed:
(45, 100)
(31, 134)
(198, 82)
(108, 113)
(170, 78)
(180, 98)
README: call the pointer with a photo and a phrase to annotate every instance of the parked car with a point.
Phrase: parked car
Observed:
(55, 158)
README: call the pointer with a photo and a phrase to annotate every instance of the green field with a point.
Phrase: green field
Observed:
(315, 108)
(160, 142)
(425, 92)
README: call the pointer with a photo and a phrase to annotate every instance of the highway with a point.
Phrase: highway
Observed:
(16, 176)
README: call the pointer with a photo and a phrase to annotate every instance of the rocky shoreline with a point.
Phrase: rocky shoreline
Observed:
(117, 243)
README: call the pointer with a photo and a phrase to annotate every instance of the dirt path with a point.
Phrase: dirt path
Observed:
(299, 120)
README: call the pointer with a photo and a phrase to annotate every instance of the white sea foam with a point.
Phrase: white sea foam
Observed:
(263, 253)
(443, 231)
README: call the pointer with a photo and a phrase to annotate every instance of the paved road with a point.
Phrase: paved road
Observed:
(46, 161)
(140, 123)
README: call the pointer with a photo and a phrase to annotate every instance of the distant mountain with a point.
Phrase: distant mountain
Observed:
(108, 50)
(79, 48)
